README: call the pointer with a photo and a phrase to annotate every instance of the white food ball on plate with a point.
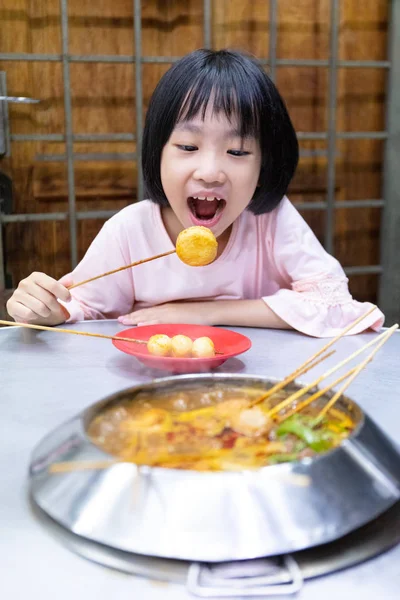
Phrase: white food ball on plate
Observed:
(203, 347)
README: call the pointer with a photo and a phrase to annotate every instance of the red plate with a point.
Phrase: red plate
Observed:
(227, 343)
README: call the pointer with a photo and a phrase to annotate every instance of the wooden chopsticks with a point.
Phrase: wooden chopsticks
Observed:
(61, 330)
(134, 264)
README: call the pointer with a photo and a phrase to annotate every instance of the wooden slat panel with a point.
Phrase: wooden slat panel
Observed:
(104, 99)
(304, 28)
(241, 25)
(361, 107)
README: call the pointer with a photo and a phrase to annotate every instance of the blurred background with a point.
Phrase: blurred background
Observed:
(71, 160)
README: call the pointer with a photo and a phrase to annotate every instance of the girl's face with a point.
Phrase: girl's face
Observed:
(208, 172)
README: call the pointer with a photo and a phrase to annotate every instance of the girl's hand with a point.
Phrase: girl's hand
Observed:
(35, 300)
(233, 313)
(198, 313)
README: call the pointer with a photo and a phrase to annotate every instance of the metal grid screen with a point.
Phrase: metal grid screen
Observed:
(331, 135)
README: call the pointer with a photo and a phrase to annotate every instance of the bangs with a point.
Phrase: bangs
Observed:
(225, 93)
(227, 83)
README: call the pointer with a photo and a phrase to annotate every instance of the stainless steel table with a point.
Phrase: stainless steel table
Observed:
(47, 377)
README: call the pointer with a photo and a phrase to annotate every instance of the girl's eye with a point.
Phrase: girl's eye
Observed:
(238, 152)
(186, 148)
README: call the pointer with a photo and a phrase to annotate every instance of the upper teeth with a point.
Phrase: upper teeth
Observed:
(208, 198)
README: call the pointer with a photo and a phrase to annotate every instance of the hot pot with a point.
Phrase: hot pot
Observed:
(215, 516)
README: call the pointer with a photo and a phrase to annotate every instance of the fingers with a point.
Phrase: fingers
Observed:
(140, 317)
(35, 300)
(40, 300)
(19, 312)
(26, 308)
(162, 313)
(130, 319)
(56, 288)
(66, 281)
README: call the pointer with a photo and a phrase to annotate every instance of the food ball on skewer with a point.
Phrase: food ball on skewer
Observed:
(203, 347)
(196, 246)
(159, 345)
(181, 346)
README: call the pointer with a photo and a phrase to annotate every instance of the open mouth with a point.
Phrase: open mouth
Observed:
(206, 209)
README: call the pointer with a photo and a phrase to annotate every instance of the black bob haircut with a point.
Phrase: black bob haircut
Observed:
(241, 89)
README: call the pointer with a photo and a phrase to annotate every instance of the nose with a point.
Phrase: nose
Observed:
(209, 169)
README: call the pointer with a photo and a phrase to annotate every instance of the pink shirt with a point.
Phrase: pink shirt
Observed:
(274, 256)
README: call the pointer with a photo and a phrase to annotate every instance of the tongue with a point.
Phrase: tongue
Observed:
(205, 209)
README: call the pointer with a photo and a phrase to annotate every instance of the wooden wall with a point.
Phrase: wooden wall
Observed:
(103, 98)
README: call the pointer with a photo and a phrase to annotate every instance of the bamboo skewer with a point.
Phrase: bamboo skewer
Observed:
(356, 372)
(69, 466)
(81, 465)
(297, 373)
(305, 389)
(86, 333)
(134, 264)
(315, 396)
(303, 368)
(73, 331)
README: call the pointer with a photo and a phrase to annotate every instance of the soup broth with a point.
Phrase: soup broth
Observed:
(214, 428)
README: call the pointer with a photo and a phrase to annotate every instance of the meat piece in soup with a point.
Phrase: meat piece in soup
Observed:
(215, 428)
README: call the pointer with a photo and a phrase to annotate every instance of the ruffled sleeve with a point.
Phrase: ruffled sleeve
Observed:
(315, 298)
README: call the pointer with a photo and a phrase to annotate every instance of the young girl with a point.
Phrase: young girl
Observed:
(219, 150)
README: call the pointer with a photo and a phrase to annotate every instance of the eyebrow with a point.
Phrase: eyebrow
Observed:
(192, 128)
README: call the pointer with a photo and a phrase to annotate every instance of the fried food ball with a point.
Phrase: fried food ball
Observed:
(159, 345)
(196, 246)
(203, 347)
(181, 346)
